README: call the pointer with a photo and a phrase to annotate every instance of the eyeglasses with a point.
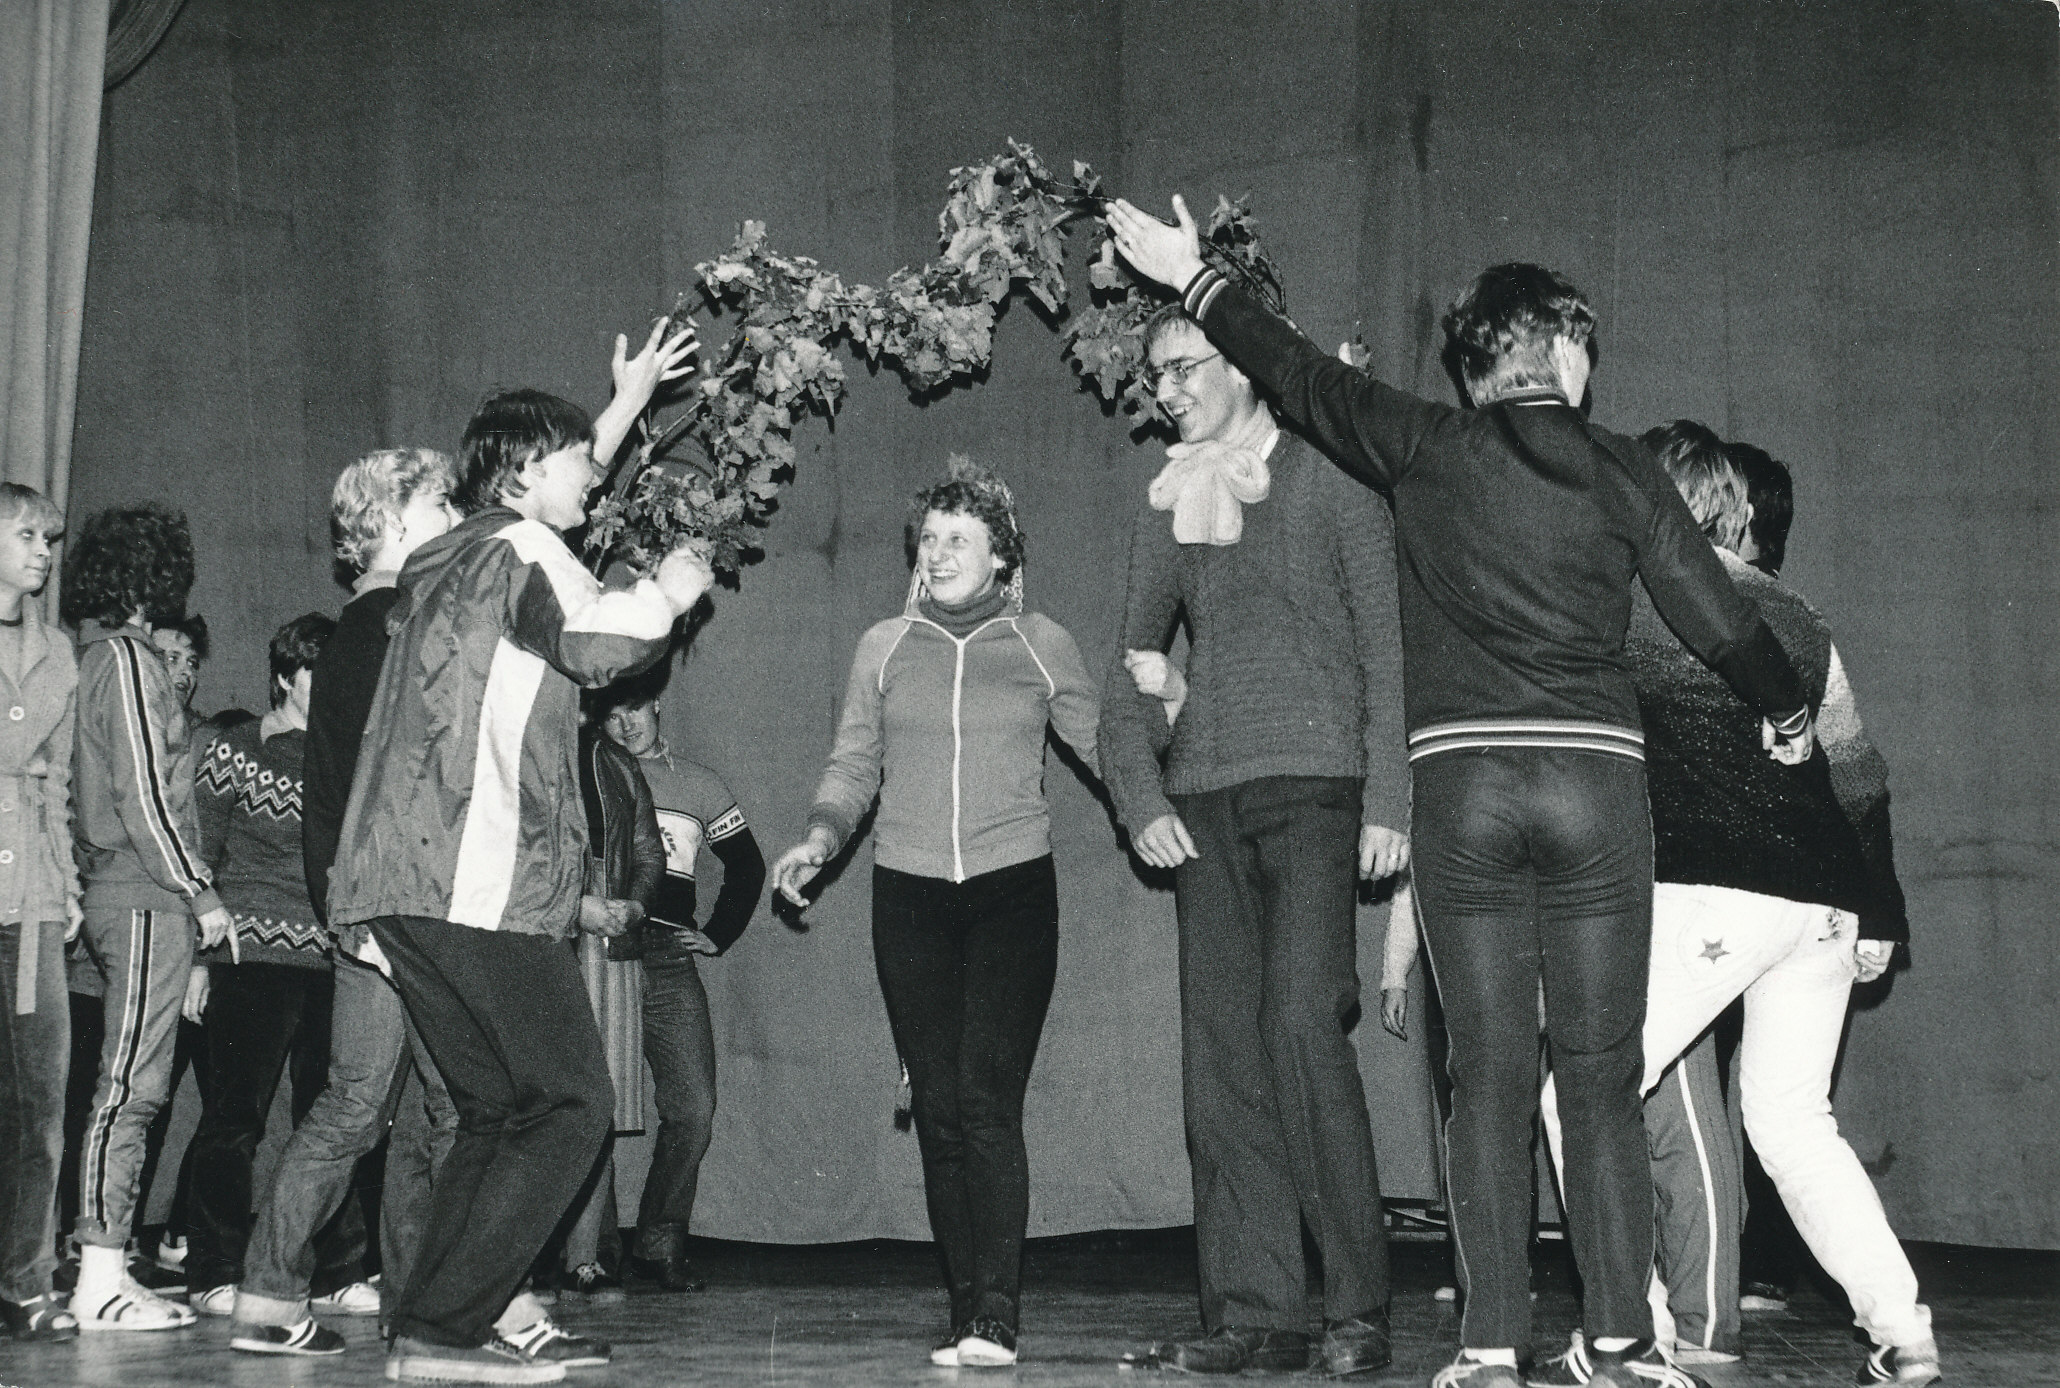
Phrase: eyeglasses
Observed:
(1173, 372)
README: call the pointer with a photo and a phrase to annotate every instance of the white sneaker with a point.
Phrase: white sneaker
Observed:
(128, 1307)
(358, 1299)
(215, 1301)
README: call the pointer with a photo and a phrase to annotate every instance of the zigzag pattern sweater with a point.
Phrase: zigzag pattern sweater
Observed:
(248, 790)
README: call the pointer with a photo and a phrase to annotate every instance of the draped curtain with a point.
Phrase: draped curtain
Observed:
(51, 71)
(333, 225)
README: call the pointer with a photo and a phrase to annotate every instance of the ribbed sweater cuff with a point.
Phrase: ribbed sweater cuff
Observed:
(1201, 292)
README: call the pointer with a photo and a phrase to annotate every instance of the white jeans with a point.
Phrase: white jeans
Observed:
(1794, 965)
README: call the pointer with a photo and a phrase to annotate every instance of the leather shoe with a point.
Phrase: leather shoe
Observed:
(1358, 1345)
(670, 1273)
(1231, 1349)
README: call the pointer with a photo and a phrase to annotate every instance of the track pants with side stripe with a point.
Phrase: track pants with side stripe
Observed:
(146, 955)
(1698, 1181)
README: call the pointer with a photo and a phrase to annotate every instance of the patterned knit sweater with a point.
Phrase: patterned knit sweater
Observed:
(1724, 813)
(248, 789)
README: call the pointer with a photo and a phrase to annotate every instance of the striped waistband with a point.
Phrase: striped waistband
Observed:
(1563, 734)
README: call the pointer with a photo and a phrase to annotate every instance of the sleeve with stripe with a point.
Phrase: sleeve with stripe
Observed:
(560, 612)
(134, 700)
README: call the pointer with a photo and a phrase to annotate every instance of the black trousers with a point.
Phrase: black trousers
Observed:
(505, 1017)
(1277, 1128)
(1536, 864)
(967, 970)
(263, 1020)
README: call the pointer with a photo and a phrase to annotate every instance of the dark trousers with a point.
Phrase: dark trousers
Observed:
(679, 1044)
(505, 1017)
(264, 1020)
(34, 1052)
(967, 970)
(1277, 1128)
(1532, 864)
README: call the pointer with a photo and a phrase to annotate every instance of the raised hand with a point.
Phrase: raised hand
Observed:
(637, 377)
(683, 576)
(1172, 255)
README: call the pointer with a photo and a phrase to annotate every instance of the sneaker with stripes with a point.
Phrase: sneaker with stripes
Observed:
(310, 1337)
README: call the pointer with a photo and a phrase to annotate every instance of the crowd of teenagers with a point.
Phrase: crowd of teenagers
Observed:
(1541, 675)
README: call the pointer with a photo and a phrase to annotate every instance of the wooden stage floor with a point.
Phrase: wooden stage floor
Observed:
(865, 1314)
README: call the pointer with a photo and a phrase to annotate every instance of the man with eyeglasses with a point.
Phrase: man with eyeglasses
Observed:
(1521, 529)
(1284, 782)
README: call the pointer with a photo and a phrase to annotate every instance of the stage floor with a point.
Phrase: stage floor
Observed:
(866, 1314)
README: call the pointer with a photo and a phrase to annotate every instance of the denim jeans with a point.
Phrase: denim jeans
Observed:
(376, 1067)
(263, 1019)
(1277, 1127)
(35, 1048)
(967, 970)
(1534, 865)
(679, 1045)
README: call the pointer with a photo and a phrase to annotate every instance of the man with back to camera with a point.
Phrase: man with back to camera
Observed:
(1519, 529)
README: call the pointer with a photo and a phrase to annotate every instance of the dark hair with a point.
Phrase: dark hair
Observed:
(1771, 492)
(193, 627)
(128, 558)
(228, 718)
(509, 431)
(985, 501)
(296, 646)
(644, 687)
(1510, 314)
(1166, 318)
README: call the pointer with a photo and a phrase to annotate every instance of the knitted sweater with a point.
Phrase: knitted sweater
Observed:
(248, 789)
(1519, 527)
(949, 733)
(1725, 814)
(1295, 660)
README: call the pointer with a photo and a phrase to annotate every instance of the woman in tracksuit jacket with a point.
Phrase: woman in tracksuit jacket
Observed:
(1519, 531)
(944, 719)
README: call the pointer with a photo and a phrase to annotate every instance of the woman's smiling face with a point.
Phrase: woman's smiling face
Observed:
(956, 556)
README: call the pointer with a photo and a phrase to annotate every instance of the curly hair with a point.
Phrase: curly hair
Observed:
(372, 492)
(971, 490)
(509, 431)
(1502, 326)
(295, 647)
(1709, 481)
(128, 559)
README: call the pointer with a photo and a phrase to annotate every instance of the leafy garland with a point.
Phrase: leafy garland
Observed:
(713, 472)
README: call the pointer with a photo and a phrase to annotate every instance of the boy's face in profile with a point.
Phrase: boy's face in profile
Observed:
(182, 662)
(25, 550)
(555, 487)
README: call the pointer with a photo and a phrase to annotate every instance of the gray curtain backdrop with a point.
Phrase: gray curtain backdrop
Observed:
(1824, 228)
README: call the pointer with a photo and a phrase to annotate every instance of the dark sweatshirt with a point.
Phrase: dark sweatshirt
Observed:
(1519, 528)
(345, 677)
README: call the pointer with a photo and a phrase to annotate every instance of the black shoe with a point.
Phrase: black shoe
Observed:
(1231, 1349)
(594, 1282)
(1356, 1346)
(309, 1338)
(152, 1278)
(547, 1342)
(986, 1343)
(671, 1273)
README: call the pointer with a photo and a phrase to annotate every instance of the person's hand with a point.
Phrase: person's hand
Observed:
(1394, 1012)
(74, 919)
(637, 378)
(606, 916)
(1165, 843)
(1172, 255)
(1789, 751)
(797, 867)
(683, 576)
(1150, 669)
(1871, 958)
(1382, 852)
(216, 926)
(195, 1005)
(696, 941)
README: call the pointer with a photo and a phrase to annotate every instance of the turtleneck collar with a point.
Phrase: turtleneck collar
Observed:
(961, 618)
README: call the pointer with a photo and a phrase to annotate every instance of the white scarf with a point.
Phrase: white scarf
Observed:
(1207, 486)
